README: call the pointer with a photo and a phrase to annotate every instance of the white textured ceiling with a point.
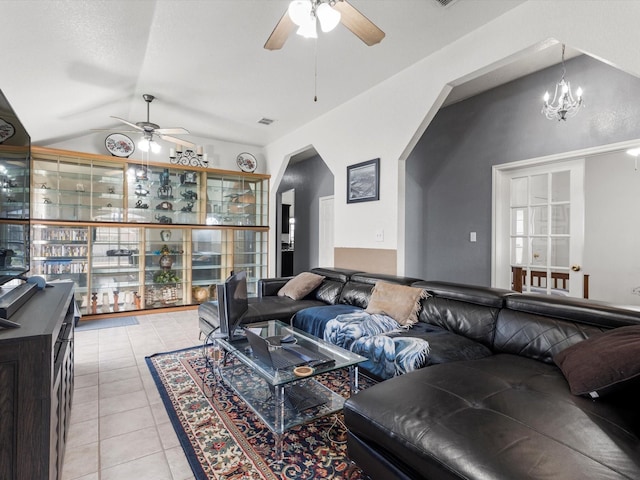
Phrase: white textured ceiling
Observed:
(69, 65)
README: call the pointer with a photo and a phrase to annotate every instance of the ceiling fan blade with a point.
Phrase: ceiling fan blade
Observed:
(139, 129)
(177, 140)
(172, 131)
(360, 26)
(280, 34)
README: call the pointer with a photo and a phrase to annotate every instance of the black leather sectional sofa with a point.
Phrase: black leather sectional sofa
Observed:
(491, 404)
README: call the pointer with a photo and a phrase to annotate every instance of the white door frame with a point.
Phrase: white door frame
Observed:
(503, 220)
(498, 172)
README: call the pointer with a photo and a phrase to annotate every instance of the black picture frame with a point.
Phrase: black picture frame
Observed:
(363, 181)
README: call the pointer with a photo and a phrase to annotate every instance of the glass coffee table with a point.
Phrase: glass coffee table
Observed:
(284, 398)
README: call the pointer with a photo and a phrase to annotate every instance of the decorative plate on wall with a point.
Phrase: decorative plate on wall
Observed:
(6, 130)
(247, 162)
(119, 145)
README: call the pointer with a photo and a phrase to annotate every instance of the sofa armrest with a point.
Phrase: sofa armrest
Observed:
(268, 287)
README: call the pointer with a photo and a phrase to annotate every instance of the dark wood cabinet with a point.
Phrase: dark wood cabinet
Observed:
(36, 386)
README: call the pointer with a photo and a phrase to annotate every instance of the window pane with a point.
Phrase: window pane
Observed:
(560, 252)
(519, 192)
(519, 221)
(560, 216)
(560, 186)
(539, 221)
(539, 251)
(518, 251)
(539, 189)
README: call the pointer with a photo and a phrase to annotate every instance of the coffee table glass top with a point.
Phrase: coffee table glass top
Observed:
(274, 328)
(281, 398)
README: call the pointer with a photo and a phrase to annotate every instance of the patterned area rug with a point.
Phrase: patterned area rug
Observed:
(224, 439)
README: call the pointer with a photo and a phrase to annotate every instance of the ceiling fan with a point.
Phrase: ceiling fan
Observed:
(305, 15)
(149, 129)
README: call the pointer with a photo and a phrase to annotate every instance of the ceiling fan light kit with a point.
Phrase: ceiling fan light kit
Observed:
(305, 15)
(151, 130)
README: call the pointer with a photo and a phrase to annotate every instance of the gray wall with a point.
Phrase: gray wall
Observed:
(311, 179)
(448, 190)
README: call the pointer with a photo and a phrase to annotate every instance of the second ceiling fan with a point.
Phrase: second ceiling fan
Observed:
(149, 129)
(305, 15)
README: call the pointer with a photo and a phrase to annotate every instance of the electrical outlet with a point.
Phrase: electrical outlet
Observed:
(380, 235)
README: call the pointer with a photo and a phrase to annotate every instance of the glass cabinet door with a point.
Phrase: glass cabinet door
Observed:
(162, 195)
(107, 195)
(14, 256)
(77, 189)
(165, 267)
(45, 199)
(235, 200)
(115, 278)
(211, 263)
(250, 254)
(73, 190)
(61, 253)
(14, 186)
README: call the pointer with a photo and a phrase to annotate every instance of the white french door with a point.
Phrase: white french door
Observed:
(539, 228)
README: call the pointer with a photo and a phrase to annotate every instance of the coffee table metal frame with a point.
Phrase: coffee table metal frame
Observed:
(263, 388)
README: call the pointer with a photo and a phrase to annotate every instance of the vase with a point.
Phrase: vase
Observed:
(116, 306)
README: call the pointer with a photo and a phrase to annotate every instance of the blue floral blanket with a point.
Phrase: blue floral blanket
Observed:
(367, 335)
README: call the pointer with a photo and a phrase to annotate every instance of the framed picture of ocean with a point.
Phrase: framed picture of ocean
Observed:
(363, 181)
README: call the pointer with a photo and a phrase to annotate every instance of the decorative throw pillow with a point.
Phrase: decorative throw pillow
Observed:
(400, 302)
(301, 285)
(602, 363)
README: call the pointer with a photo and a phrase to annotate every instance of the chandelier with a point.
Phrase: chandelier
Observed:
(306, 14)
(563, 105)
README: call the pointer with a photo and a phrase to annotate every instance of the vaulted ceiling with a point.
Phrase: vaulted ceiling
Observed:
(70, 65)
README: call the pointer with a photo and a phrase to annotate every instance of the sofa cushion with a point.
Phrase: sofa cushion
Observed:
(445, 346)
(329, 291)
(313, 320)
(400, 302)
(537, 336)
(301, 285)
(603, 363)
(502, 416)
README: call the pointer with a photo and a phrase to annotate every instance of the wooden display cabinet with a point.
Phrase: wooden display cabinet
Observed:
(114, 217)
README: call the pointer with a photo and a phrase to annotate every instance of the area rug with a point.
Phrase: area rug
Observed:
(223, 439)
(106, 323)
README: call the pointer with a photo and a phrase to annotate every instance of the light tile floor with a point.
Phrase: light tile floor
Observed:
(119, 426)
